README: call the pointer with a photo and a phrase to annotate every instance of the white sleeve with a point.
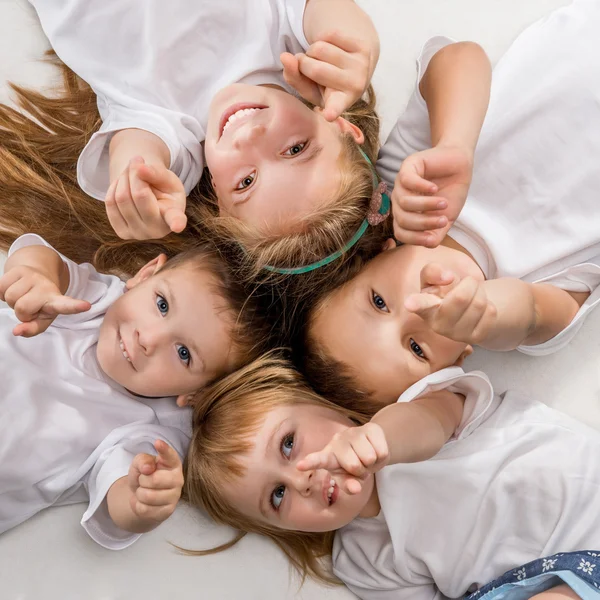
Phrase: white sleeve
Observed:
(412, 132)
(85, 283)
(474, 386)
(115, 455)
(578, 278)
(104, 42)
(181, 134)
(294, 10)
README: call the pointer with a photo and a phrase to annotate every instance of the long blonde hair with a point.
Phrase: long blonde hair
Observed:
(226, 415)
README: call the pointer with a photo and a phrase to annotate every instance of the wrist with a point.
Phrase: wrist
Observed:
(458, 144)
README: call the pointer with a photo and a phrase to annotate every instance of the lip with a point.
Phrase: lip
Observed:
(233, 109)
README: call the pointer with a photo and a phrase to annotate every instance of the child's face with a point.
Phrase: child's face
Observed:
(365, 325)
(276, 162)
(275, 492)
(168, 335)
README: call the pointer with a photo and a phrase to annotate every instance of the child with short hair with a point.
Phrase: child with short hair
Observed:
(97, 391)
(434, 497)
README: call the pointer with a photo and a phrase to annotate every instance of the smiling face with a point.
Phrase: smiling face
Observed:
(272, 159)
(169, 334)
(273, 491)
(365, 326)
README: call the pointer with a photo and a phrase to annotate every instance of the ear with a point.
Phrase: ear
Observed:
(185, 399)
(466, 352)
(389, 244)
(147, 271)
(346, 127)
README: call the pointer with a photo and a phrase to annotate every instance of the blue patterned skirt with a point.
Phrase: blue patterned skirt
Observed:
(579, 570)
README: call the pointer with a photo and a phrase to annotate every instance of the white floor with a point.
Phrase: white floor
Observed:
(51, 557)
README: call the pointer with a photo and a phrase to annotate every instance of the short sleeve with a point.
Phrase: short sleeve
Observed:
(583, 277)
(114, 458)
(475, 386)
(412, 132)
(181, 134)
(295, 17)
(85, 283)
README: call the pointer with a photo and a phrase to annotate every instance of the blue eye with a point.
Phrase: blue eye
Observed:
(277, 497)
(287, 445)
(184, 354)
(379, 302)
(416, 349)
(162, 305)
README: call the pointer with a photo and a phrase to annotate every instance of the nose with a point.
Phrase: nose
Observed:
(302, 481)
(151, 337)
(248, 134)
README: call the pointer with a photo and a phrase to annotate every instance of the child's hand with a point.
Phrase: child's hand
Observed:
(356, 452)
(429, 193)
(457, 309)
(36, 300)
(333, 73)
(146, 202)
(156, 483)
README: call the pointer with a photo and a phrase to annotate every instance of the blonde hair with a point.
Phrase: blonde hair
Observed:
(226, 416)
(324, 231)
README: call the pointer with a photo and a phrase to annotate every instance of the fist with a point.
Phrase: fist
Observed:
(156, 483)
(36, 300)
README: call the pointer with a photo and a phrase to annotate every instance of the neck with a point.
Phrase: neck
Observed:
(450, 243)
(372, 508)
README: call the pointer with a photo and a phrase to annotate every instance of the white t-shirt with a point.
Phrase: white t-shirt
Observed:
(532, 210)
(156, 65)
(68, 432)
(518, 481)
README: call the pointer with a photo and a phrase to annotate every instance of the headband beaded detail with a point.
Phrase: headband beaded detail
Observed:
(379, 210)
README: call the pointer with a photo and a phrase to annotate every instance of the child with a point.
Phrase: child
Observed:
(88, 402)
(466, 486)
(518, 272)
(257, 140)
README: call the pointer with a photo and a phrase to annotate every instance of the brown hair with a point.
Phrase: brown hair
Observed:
(40, 142)
(226, 415)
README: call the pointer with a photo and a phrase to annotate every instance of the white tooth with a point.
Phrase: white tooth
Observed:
(330, 490)
(332, 482)
(125, 354)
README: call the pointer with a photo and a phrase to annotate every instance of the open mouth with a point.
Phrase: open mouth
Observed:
(332, 492)
(124, 350)
(236, 113)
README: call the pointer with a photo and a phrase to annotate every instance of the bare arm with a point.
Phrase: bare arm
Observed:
(456, 88)
(527, 313)
(417, 430)
(128, 143)
(321, 17)
(44, 260)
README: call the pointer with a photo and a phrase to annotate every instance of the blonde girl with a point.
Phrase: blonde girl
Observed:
(435, 496)
(289, 181)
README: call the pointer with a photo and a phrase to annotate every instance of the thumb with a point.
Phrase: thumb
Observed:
(336, 104)
(65, 305)
(167, 457)
(434, 275)
(306, 87)
(142, 464)
(174, 217)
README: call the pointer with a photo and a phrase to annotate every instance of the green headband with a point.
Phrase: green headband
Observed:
(376, 216)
